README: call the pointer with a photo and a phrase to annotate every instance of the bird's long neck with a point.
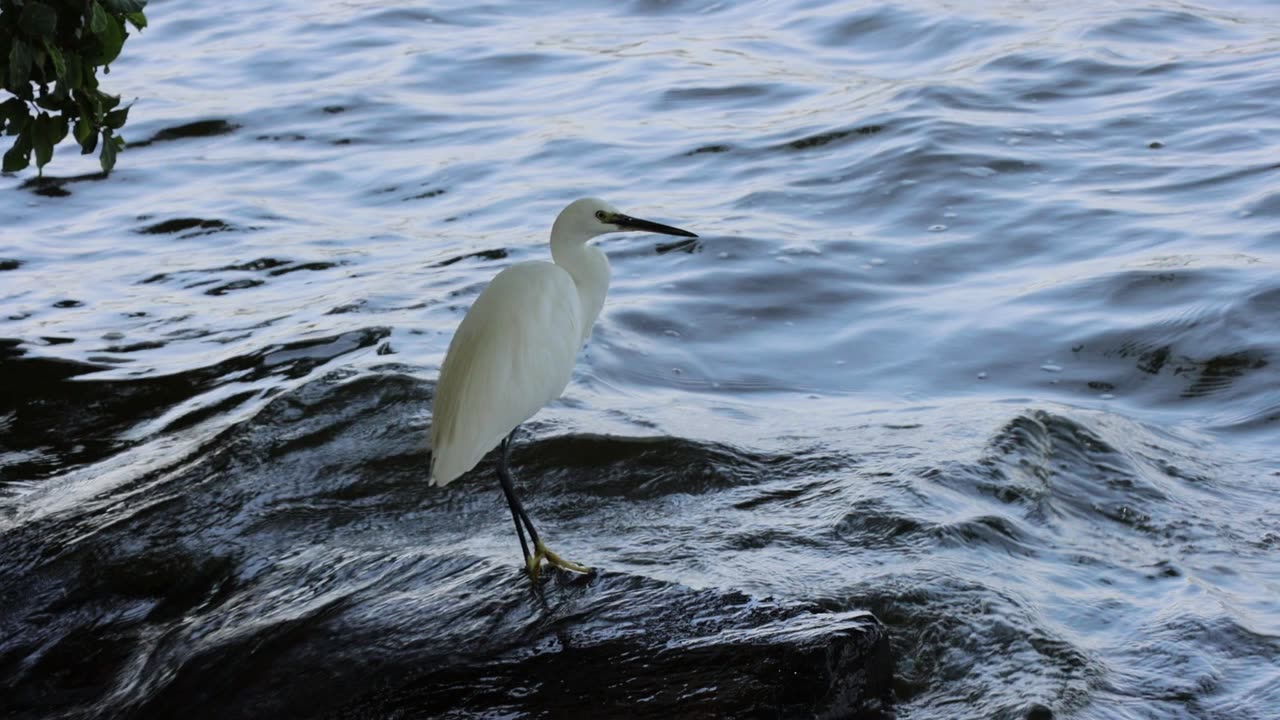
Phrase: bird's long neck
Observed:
(589, 269)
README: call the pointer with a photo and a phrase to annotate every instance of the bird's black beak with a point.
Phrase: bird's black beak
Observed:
(626, 222)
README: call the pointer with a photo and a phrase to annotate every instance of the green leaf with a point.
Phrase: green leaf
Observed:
(97, 19)
(19, 156)
(89, 143)
(59, 64)
(62, 94)
(12, 108)
(120, 7)
(107, 158)
(75, 72)
(17, 125)
(20, 65)
(91, 106)
(112, 39)
(42, 139)
(83, 131)
(39, 19)
(116, 118)
(16, 111)
(52, 56)
(59, 128)
(23, 91)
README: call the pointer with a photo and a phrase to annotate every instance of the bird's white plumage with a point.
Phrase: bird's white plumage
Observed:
(513, 353)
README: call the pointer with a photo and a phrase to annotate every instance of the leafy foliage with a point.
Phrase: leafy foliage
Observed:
(50, 52)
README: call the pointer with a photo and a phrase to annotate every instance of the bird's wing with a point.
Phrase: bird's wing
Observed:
(513, 353)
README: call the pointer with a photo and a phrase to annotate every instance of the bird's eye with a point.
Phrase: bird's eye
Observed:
(600, 215)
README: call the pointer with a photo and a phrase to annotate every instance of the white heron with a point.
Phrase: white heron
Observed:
(515, 349)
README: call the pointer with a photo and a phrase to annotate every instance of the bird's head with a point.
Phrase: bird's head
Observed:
(588, 217)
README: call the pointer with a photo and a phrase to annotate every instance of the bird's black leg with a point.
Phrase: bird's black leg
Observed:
(523, 523)
(517, 510)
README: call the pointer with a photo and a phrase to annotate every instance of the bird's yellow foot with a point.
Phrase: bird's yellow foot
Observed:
(542, 552)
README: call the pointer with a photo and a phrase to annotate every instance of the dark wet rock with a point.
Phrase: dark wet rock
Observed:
(1036, 711)
(56, 423)
(296, 565)
(9, 264)
(49, 415)
(613, 646)
(30, 376)
(869, 525)
(680, 652)
(608, 466)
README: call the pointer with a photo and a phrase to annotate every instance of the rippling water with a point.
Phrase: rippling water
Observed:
(980, 336)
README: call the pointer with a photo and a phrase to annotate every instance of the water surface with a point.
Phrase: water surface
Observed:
(980, 335)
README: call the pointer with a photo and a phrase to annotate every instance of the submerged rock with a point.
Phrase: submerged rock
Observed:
(613, 645)
(294, 564)
(679, 653)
